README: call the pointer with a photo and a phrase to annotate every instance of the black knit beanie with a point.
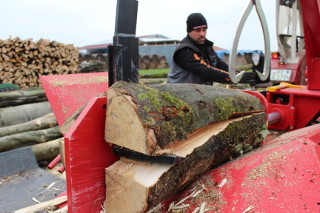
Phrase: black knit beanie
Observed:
(196, 21)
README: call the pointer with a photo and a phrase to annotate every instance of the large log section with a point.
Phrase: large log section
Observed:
(206, 125)
(147, 119)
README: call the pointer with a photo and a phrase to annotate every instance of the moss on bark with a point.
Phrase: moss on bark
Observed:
(175, 110)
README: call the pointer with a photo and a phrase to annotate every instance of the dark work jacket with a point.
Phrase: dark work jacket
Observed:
(212, 67)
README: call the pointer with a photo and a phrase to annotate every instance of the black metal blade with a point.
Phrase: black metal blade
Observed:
(130, 154)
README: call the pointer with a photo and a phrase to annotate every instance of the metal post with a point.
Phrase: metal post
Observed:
(124, 53)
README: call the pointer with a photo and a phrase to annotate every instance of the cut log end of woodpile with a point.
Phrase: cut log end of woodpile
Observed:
(221, 124)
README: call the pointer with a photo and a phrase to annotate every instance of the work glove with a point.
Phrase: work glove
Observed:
(249, 78)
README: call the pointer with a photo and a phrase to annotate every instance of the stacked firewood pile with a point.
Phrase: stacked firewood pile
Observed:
(99, 62)
(27, 120)
(22, 62)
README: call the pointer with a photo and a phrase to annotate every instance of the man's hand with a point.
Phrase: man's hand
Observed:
(249, 78)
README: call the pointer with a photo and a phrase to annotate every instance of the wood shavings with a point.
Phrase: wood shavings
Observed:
(224, 181)
(180, 207)
(196, 210)
(248, 209)
(156, 209)
(62, 210)
(103, 210)
(202, 207)
(35, 200)
(47, 189)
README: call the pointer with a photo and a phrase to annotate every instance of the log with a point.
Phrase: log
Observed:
(44, 122)
(27, 138)
(46, 151)
(23, 113)
(167, 113)
(19, 97)
(138, 187)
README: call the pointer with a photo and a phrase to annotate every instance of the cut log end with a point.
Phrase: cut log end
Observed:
(118, 185)
(124, 121)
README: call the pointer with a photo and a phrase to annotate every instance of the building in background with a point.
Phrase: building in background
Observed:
(155, 44)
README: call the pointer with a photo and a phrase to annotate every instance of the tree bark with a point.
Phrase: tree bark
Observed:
(23, 113)
(168, 113)
(19, 97)
(27, 138)
(137, 186)
(44, 122)
(46, 151)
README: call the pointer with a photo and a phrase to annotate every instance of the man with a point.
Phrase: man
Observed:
(195, 61)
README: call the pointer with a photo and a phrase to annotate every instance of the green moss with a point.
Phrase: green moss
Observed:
(226, 107)
(147, 109)
(176, 102)
(243, 148)
(152, 96)
(175, 127)
(149, 121)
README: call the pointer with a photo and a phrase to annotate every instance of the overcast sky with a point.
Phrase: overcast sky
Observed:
(83, 22)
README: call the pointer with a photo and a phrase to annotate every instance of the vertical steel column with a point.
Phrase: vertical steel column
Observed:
(124, 53)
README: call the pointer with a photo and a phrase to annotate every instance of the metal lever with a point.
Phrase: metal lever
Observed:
(235, 78)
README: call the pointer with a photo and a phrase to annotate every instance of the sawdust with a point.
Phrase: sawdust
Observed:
(209, 195)
(268, 166)
(75, 81)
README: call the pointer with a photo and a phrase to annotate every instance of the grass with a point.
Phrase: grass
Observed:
(162, 73)
(154, 73)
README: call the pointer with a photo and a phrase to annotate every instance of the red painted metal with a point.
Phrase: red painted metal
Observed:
(61, 169)
(67, 93)
(311, 20)
(297, 69)
(281, 176)
(87, 155)
(297, 106)
(54, 162)
(261, 97)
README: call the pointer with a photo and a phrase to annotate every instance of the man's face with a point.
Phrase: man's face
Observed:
(198, 35)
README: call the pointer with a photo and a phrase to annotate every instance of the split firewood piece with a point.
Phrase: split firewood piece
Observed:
(136, 187)
(147, 119)
(45, 206)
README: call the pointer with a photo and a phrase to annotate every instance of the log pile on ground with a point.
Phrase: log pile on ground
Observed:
(154, 61)
(28, 124)
(22, 62)
(18, 97)
(88, 67)
(202, 126)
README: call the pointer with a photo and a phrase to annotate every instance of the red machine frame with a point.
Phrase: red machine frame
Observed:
(300, 107)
